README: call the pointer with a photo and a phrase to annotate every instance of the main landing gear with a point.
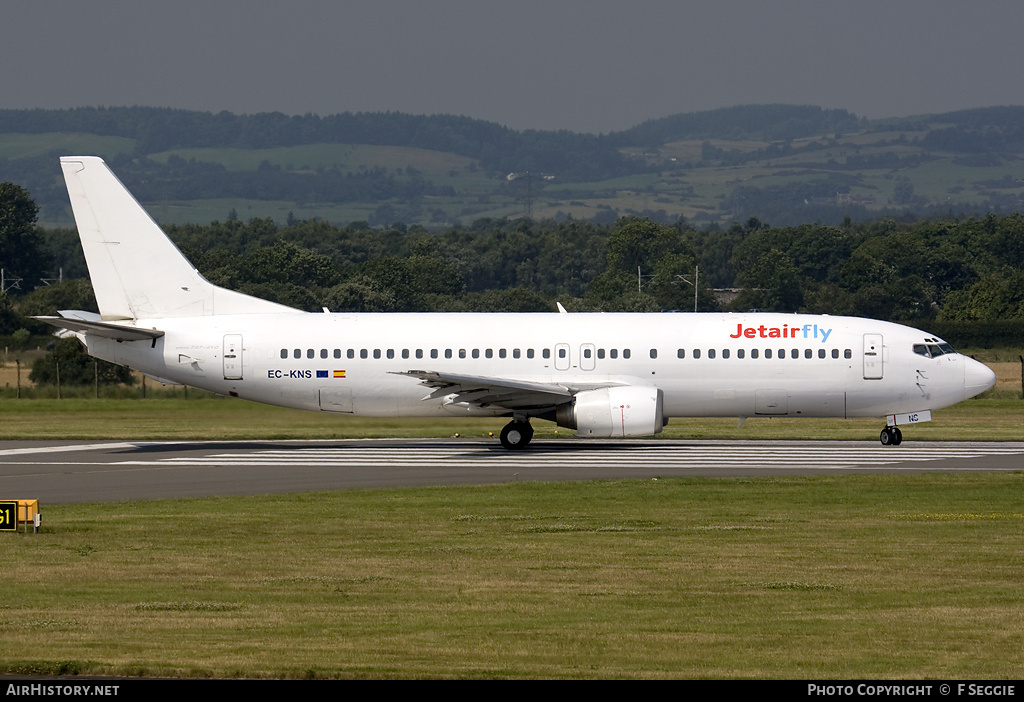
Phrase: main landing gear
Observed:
(891, 436)
(516, 434)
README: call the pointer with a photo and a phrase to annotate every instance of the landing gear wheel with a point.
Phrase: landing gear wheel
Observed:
(891, 436)
(516, 435)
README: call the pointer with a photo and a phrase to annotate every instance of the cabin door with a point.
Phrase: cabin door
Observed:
(232, 357)
(873, 356)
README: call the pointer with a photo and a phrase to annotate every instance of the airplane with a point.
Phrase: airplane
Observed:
(601, 374)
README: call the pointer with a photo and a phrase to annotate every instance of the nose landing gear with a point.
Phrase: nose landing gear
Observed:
(891, 436)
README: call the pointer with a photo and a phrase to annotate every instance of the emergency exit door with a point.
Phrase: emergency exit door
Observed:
(232, 357)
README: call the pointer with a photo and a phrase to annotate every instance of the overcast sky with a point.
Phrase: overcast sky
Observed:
(582, 65)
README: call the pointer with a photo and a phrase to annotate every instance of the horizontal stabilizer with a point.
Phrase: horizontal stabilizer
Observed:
(107, 330)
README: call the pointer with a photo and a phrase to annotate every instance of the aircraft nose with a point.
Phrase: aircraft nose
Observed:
(977, 378)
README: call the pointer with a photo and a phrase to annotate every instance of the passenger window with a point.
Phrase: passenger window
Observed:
(363, 353)
(614, 353)
(529, 353)
(821, 353)
(681, 353)
(447, 353)
(587, 353)
(795, 353)
(323, 353)
(625, 353)
(462, 353)
(297, 353)
(561, 353)
(835, 353)
(696, 353)
(433, 353)
(740, 353)
(489, 353)
(600, 353)
(376, 353)
(546, 353)
(808, 353)
(754, 353)
(725, 353)
(284, 353)
(405, 353)
(419, 353)
(391, 353)
(767, 353)
(501, 353)
(337, 353)
(351, 353)
(847, 353)
(711, 353)
(654, 353)
(515, 353)
(310, 353)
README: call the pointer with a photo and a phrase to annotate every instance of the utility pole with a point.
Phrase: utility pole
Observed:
(696, 279)
(15, 283)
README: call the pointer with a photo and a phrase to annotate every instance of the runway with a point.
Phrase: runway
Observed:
(65, 472)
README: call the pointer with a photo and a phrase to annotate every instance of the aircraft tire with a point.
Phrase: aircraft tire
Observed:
(891, 436)
(516, 435)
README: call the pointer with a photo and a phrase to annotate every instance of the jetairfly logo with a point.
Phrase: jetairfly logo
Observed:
(807, 331)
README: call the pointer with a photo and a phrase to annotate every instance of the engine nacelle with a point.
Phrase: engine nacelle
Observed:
(632, 410)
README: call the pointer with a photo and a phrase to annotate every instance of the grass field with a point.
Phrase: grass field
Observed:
(216, 418)
(865, 577)
(995, 416)
(828, 577)
(679, 179)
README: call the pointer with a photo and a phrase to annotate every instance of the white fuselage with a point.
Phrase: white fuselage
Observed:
(740, 365)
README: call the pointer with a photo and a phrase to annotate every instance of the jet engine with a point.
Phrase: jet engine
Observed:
(632, 410)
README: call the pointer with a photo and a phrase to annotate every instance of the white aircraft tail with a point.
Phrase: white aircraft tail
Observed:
(136, 271)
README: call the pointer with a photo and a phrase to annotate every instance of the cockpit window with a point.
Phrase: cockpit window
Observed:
(934, 349)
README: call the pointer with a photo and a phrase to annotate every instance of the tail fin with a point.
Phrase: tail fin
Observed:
(136, 271)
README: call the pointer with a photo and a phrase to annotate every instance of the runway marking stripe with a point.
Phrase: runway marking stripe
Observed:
(634, 456)
(63, 448)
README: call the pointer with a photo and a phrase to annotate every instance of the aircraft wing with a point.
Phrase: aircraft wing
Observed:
(492, 392)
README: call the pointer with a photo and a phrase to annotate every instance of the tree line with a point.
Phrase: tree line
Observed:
(952, 271)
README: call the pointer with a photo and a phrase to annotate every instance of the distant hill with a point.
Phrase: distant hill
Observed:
(782, 164)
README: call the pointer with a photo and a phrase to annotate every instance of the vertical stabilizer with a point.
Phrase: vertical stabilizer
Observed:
(136, 271)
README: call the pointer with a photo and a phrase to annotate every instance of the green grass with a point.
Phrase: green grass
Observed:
(696, 192)
(851, 577)
(206, 417)
(15, 146)
(219, 210)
